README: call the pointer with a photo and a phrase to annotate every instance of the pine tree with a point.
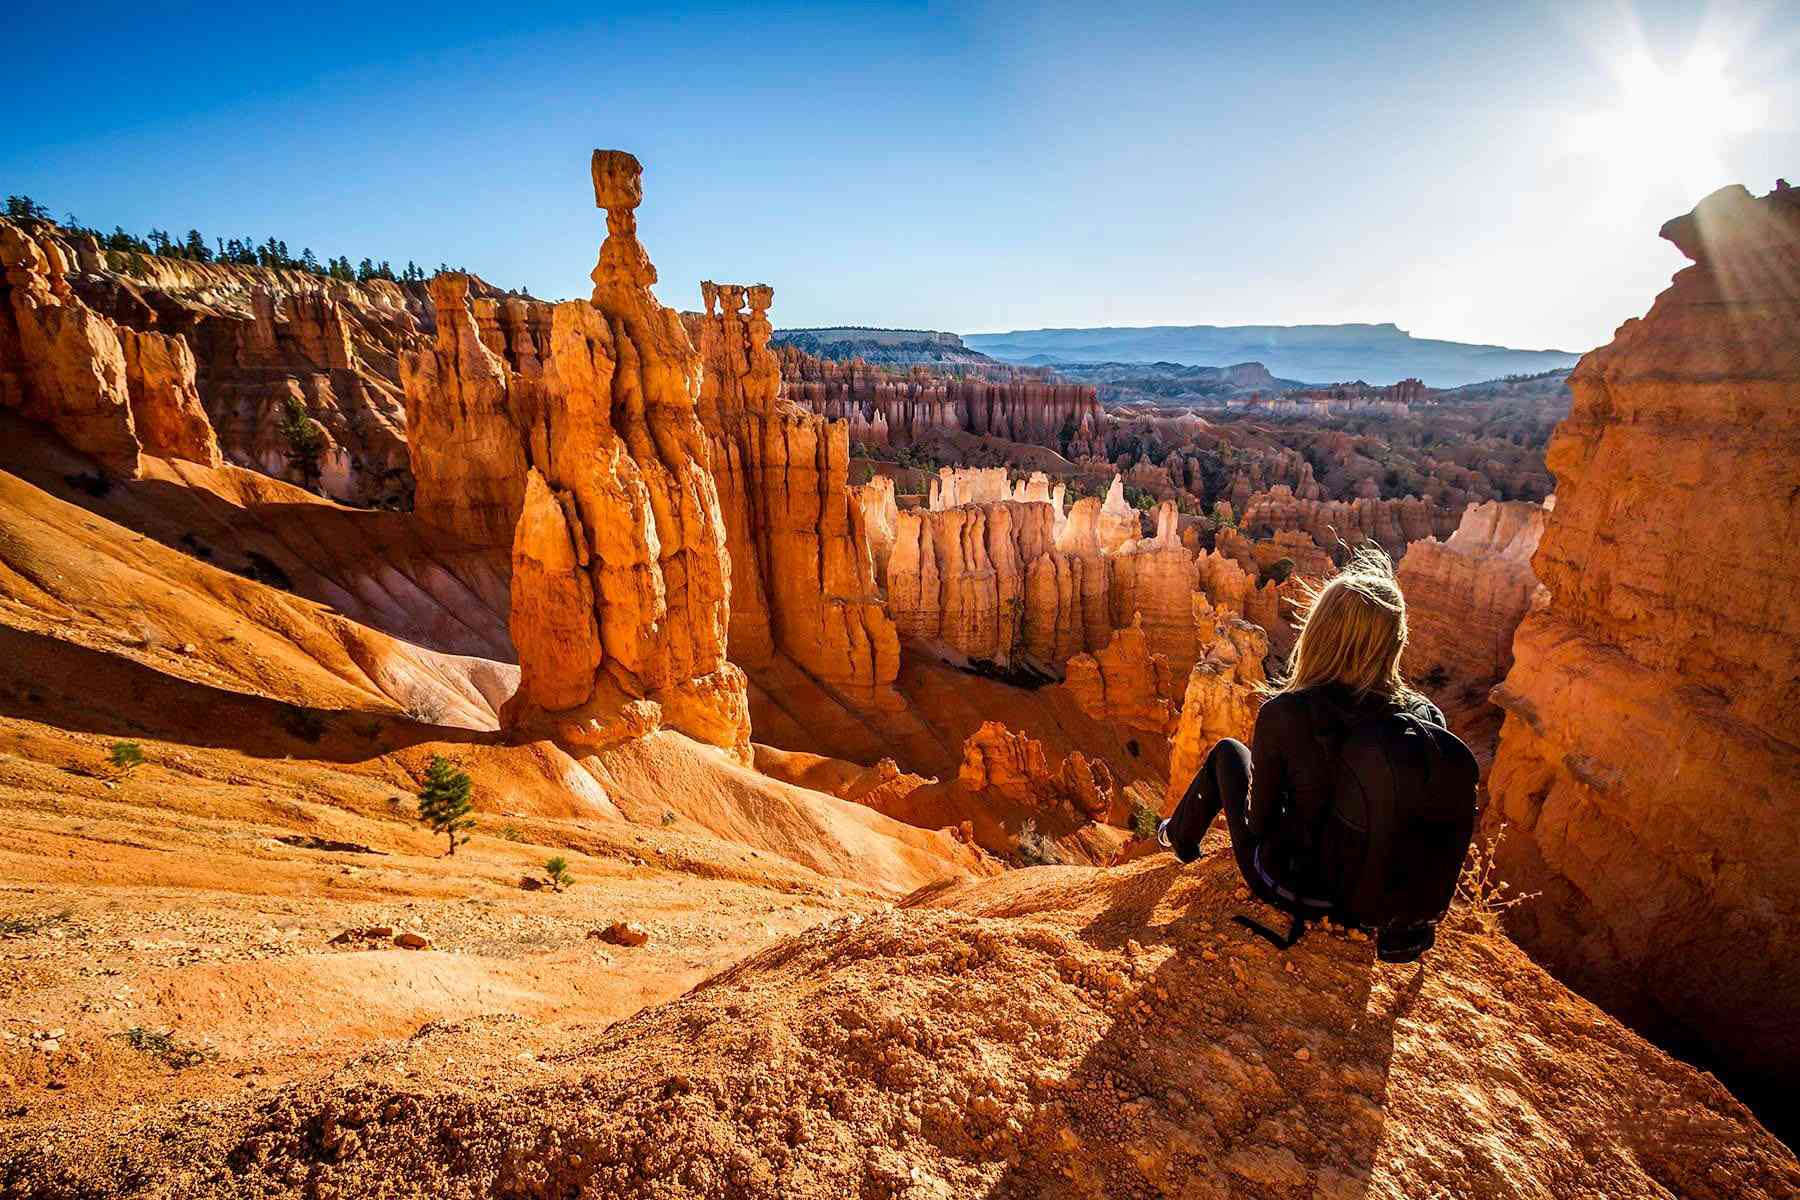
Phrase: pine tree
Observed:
(195, 247)
(306, 444)
(24, 208)
(444, 800)
(556, 870)
(308, 262)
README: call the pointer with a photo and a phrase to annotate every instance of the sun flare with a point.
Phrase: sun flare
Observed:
(1668, 127)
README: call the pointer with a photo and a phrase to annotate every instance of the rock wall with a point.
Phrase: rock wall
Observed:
(1125, 682)
(1649, 766)
(989, 582)
(595, 453)
(467, 417)
(1394, 524)
(110, 392)
(803, 570)
(1465, 598)
(1017, 583)
(899, 407)
(269, 343)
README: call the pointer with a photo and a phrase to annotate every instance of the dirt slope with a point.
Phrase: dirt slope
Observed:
(1055, 1032)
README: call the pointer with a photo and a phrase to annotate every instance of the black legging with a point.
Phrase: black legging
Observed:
(1223, 781)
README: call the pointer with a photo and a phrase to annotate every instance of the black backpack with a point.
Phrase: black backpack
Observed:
(1392, 842)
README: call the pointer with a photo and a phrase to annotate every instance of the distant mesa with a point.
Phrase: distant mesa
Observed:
(1379, 354)
(885, 347)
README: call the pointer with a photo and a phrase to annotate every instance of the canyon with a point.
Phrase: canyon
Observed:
(849, 692)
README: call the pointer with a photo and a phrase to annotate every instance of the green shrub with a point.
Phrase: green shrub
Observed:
(556, 870)
(302, 723)
(126, 755)
(305, 441)
(15, 923)
(1144, 820)
(162, 1044)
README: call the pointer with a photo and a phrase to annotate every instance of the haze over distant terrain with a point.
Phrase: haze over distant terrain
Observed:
(1378, 354)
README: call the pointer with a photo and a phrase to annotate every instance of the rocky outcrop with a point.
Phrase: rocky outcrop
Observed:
(275, 347)
(1222, 696)
(802, 563)
(1465, 598)
(467, 413)
(1394, 524)
(60, 363)
(1125, 682)
(165, 401)
(988, 582)
(1650, 754)
(594, 453)
(1155, 579)
(1017, 769)
(111, 392)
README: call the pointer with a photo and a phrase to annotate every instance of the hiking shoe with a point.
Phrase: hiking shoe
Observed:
(1186, 854)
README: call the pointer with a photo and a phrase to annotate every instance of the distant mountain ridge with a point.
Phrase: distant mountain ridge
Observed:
(1378, 354)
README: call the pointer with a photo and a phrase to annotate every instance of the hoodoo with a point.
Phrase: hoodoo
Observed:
(592, 466)
(802, 569)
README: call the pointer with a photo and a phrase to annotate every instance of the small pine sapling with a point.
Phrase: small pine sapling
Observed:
(125, 756)
(444, 801)
(556, 870)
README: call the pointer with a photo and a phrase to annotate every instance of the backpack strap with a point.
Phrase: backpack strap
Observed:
(1296, 930)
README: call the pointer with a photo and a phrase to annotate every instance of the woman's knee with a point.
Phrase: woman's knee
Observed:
(1229, 763)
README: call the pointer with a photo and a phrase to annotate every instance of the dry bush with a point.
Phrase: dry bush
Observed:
(1479, 895)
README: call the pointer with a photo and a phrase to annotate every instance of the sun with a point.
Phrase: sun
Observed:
(1667, 128)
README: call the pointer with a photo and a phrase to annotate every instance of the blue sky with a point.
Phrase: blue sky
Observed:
(1487, 172)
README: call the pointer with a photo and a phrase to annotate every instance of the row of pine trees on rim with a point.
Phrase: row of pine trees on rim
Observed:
(245, 252)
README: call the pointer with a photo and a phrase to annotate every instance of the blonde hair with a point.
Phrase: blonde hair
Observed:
(1353, 632)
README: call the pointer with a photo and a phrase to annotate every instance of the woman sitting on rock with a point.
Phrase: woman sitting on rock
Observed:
(1356, 802)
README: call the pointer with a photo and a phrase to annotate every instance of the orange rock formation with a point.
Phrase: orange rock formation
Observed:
(1465, 598)
(1016, 767)
(802, 567)
(268, 340)
(1651, 749)
(1221, 699)
(1125, 681)
(594, 468)
(110, 393)
(1394, 524)
(882, 406)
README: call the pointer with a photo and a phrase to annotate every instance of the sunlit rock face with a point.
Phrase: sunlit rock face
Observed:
(803, 565)
(1017, 768)
(112, 392)
(590, 462)
(1649, 765)
(1224, 691)
(1465, 597)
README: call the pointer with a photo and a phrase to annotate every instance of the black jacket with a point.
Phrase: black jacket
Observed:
(1293, 754)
